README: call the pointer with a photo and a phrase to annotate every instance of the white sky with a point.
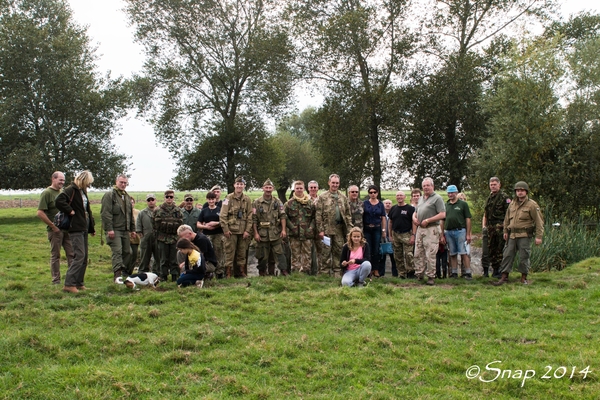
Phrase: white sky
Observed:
(152, 166)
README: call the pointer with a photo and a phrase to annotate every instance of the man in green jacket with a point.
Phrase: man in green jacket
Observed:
(119, 225)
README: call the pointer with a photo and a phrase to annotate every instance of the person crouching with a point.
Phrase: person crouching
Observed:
(355, 261)
(194, 266)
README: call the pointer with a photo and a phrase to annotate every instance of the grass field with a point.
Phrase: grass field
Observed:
(296, 337)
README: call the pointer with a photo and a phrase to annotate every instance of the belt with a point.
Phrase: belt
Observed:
(455, 229)
(374, 226)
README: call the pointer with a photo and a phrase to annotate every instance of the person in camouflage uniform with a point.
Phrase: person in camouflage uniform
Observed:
(301, 228)
(523, 221)
(316, 248)
(236, 221)
(268, 223)
(357, 207)
(165, 220)
(333, 220)
(190, 213)
(493, 223)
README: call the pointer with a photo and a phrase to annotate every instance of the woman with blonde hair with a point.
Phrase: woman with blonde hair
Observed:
(355, 261)
(74, 202)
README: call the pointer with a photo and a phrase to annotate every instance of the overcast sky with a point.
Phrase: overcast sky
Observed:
(152, 166)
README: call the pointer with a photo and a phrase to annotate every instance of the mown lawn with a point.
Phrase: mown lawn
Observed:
(297, 337)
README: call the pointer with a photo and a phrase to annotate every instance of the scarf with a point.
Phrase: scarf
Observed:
(302, 200)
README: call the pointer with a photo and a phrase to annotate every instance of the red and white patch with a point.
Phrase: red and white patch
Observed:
(254, 210)
(225, 202)
(508, 201)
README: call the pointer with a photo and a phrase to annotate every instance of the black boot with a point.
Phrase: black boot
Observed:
(438, 271)
(496, 273)
(444, 271)
(174, 277)
(486, 272)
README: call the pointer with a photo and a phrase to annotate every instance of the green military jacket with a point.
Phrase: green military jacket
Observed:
(116, 212)
(191, 217)
(522, 219)
(166, 220)
(301, 223)
(236, 214)
(267, 216)
(357, 209)
(495, 208)
(326, 214)
(143, 224)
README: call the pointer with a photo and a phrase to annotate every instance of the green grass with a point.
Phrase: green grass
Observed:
(297, 337)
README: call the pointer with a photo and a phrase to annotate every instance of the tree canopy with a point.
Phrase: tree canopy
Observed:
(56, 113)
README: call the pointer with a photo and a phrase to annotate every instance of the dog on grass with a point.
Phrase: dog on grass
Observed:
(141, 279)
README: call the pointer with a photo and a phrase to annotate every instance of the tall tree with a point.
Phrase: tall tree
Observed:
(56, 113)
(358, 49)
(208, 63)
(445, 105)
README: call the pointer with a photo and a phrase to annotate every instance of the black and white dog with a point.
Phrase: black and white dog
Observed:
(141, 279)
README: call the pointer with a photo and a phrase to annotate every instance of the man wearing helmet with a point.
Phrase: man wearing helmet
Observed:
(523, 219)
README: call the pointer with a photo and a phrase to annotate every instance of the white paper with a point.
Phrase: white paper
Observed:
(327, 241)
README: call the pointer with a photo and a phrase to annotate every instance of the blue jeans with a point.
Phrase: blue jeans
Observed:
(456, 240)
(359, 273)
(373, 237)
(189, 279)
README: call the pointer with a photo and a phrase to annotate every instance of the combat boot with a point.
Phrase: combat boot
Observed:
(244, 271)
(262, 272)
(228, 272)
(486, 272)
(116, 275)
(496, 273)
(524, 280)
(503, 280)
(174, 277)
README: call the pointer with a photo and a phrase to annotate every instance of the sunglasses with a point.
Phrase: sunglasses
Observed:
(372, 192)
(354, 191)
(188, 200)
(150, 199)
(169, 197)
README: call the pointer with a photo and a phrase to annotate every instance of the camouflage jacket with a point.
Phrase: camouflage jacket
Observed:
(267, 216)
(301, 222)
(495, 208)
(357, 209)
(166, 219)
(236, 214)
(326, 213)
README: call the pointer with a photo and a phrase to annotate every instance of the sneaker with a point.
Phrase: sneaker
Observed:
(454, 275)
(468, 277)
(199, 284)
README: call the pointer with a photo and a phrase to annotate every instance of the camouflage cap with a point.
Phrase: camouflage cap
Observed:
(216, 187)
(268, 183)
(150, 196)
(240, 179)
(188, 196)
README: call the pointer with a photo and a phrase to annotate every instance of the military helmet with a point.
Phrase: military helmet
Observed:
(522, 185)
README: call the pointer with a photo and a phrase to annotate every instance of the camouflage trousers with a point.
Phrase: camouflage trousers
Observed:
(218, 242)
(403, 253)
(485, 251)
(496, 243)
(329, 258)
(316, 249)
(265, 248)
(426, 248)
(236, 251)
(301, 255)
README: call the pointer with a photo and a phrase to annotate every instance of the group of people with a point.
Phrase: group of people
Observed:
(324, 234)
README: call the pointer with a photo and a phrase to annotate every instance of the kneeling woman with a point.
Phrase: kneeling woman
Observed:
(355, 259)
(194, 266)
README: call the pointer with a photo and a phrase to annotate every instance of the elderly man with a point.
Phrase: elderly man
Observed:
(458, 232)
(357, 208)
(403, 235)
(493, 227)
(190, 213)
(523, 219)
(118, 223)
(236, 221)
(301, 227)
(269, 225)
(333, 220)
(57, 238)
(166, 220)
(428, 218)
(145, 230)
